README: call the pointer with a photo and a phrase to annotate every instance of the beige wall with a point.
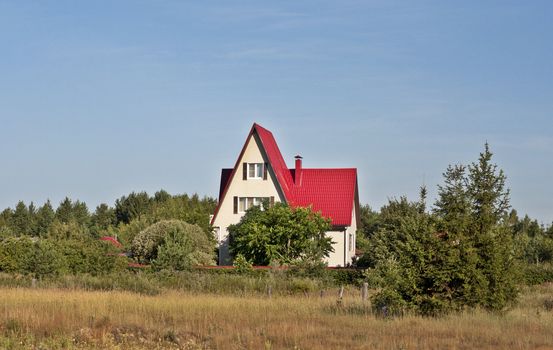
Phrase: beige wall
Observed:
(336, 258)
(343, 253)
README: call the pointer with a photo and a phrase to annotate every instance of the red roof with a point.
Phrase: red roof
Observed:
(330, 191)
(112, 240)
(333, 192)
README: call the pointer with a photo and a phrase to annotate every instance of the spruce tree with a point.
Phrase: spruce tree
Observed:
(20, 220)
(44, 219)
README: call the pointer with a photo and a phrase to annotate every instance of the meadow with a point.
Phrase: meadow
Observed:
(49, 318)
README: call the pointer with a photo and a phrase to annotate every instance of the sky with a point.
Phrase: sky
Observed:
(101, 98)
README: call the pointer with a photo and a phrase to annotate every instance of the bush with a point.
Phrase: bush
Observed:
(242, 265)
(388, 303)
(538, 274)
(173, 244)
(43, 257)
(15, 254)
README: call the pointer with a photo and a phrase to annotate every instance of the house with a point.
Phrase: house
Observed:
(260, 173)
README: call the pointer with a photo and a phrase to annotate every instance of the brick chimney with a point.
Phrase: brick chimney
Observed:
(298, 172)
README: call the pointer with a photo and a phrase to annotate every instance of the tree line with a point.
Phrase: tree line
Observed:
(130, 214)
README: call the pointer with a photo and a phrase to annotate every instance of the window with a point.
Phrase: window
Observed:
(245, 203)
(350, 242)
(255, 170)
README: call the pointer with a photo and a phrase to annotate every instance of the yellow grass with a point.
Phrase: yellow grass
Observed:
(52, 319)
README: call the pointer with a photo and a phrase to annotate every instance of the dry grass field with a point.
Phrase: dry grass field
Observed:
(72, 319)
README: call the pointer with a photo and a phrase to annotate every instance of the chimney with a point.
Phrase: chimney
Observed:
(298, 172)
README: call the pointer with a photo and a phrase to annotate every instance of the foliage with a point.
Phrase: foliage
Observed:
(131, 214)
(537, 274)
(241, 264)
(43, 257)
(461, 255)
(173, 244)
(280, 233)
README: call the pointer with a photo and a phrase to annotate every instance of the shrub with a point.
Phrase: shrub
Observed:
(538, 274)
(242, 265)
(173, 244)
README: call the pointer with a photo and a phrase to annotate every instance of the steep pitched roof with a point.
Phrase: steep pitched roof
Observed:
(333, 192)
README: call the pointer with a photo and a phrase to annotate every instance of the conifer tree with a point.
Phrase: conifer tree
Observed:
(44, 219)
(20, 220)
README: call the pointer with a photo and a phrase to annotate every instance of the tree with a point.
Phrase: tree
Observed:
(281, 233)
(463, 255)
(103, 218)
(21, 220)
(64, 212)
(133, 206)
(173, 244)
(472, 209)
(44, 219)
(412, 262)
(488, 194)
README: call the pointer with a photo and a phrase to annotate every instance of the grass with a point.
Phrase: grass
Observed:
(76, 319)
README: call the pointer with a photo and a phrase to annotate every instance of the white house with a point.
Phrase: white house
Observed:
(260, 173)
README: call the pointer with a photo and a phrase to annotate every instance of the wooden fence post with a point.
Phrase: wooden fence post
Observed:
(365, 291)
(270, 291)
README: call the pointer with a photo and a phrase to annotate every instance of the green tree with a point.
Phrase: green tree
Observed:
(281, 233)
(80, 213)
(64, 212)
(133, 206)
(21, 220)
(472, 212)
(44, 219)
(102, 219)
(463, 255)
(490, 232)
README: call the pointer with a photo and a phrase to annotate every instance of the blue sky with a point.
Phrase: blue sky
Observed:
(101, 98)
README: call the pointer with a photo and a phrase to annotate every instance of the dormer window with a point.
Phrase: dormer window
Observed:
(255, 171)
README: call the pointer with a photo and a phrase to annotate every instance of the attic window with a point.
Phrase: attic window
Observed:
(255, 170)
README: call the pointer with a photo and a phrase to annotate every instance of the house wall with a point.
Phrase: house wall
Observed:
(351, 230)
(243, 188)
(336, 258)
(343, 252)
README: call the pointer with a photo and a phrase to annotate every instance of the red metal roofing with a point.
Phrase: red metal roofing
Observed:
(112, 240)
(276, 161)
(333, 192)
(330, 191)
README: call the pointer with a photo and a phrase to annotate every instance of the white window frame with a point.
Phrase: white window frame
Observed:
(258, 171)
(256, 201)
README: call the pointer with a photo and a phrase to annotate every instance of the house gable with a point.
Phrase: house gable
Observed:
(236, 184)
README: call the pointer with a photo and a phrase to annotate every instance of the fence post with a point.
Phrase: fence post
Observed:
(340, 296)
(270, 291)
(322, 293)
(365, 291)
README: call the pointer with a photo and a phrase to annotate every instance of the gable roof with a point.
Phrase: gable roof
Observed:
(333, 192)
